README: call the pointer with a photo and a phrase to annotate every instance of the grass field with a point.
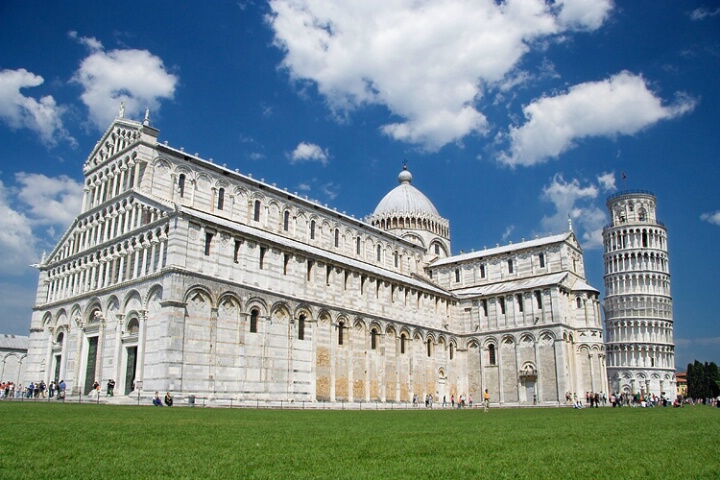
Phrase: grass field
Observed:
(45, 440)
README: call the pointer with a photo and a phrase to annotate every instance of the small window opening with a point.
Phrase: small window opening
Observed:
(254, 314)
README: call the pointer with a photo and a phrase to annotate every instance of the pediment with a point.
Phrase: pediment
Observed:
(122, 134)
(122, 205)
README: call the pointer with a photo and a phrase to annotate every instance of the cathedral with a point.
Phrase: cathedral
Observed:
(182, 275)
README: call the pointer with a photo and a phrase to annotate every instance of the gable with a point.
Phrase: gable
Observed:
(92, 229)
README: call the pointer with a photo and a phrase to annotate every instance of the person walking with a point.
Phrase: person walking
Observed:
(486, 401)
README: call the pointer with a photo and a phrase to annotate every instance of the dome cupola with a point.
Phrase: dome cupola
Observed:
(408, 213)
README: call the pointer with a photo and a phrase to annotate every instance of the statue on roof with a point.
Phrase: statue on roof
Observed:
(121, 113)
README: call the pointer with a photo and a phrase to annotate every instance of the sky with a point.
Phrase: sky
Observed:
(512, 117)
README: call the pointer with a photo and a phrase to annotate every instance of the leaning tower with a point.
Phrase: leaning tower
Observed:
(638, 306)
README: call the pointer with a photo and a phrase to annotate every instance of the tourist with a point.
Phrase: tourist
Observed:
(51, 388)
(156, 401)
(168, 399)
(486, 401)
(110, 387)
(452, 401)
(95, 392)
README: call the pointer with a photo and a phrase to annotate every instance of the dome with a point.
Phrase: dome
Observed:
(405, 199)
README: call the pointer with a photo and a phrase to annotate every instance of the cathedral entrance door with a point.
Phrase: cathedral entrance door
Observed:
(130, 369)
(91, 362)
(58, 359)
(530, 392)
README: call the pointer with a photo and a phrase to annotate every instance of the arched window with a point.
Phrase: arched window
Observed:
(457, 275)
(542, 260)
(286, 220)
(133, 326)
(373, 339)
(341, 327)
(379, 253)
(181, 185)
(403, 340)
(357, 245)
(491, 354)
(452, 351)
(579, 302)
(301, 327)
(337, 237)
(221, 199)
(429, 347)
(256, 211)
(254, 314)
(312, 230)
(510, 266)
(60, 338)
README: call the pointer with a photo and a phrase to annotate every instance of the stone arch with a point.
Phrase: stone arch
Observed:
(47, 320)
(133, 300)
(93, 311)
(132, 323)
(324, 317)
(360, 322)
(198, 299)
(153, 298)
(259, 303)
(195, 289)
(303, 309)
(280, 311)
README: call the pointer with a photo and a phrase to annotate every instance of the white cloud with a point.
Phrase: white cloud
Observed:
(427, 62)
(606, 181)
(17, 242)
(711, 217)
(508, 231)
(135, 77)
(54, 201)
(583, 14)
(31, 210)
(43, 116)
(309, 152)
(330, 190)
(703, 13)
(620, 105)
(575, 201)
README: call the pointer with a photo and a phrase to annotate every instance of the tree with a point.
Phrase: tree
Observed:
(703, 380)
(712, 376)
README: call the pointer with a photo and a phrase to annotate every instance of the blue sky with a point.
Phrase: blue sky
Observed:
(511, 116)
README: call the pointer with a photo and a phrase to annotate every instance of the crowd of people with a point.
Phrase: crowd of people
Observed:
(32, 390)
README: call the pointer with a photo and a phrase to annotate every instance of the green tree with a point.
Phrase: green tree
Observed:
(712, 376)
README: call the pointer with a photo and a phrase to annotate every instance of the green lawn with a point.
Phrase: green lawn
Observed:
(47, 440)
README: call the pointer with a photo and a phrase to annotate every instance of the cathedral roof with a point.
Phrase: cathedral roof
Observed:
(405, 199)
(503, 249)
